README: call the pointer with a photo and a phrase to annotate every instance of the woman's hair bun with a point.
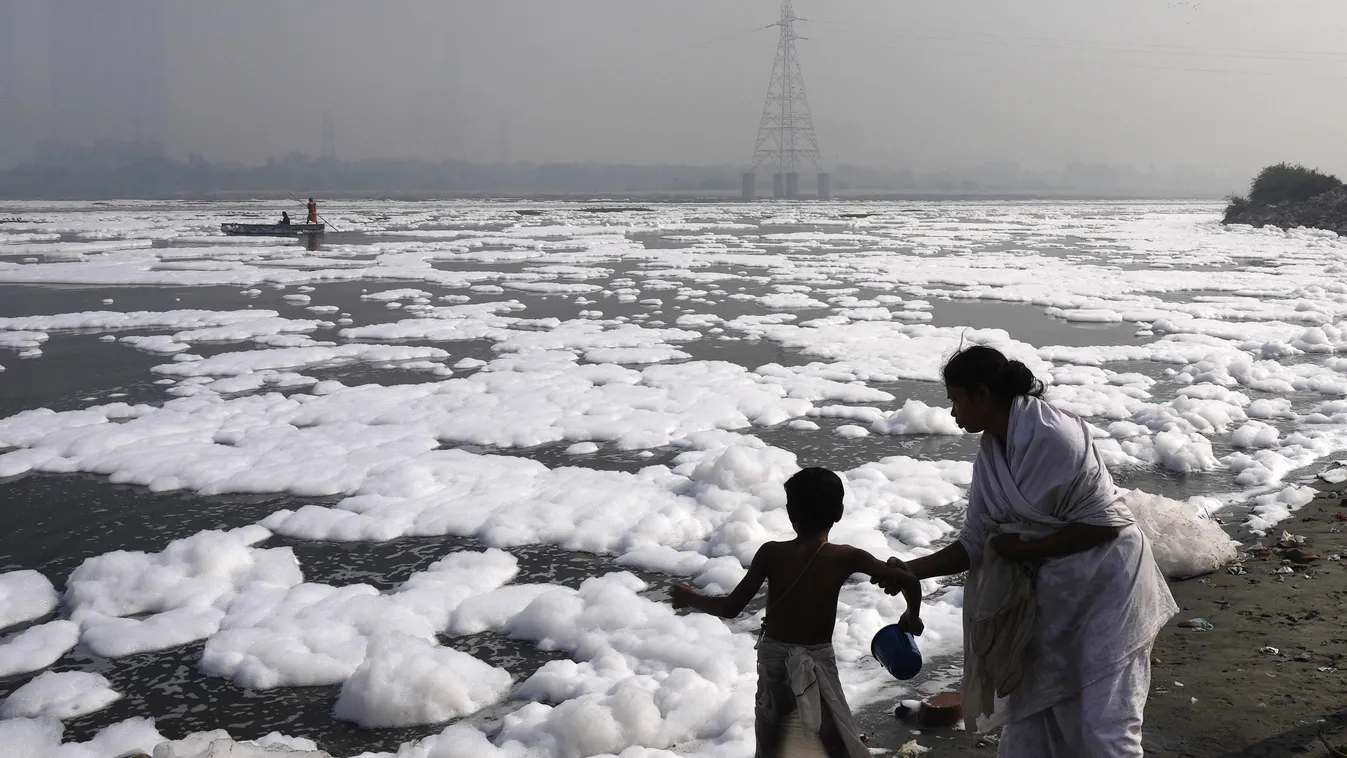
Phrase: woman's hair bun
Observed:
(989, 367)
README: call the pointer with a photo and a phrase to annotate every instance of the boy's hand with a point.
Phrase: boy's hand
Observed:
(682, 596)
(912, 625)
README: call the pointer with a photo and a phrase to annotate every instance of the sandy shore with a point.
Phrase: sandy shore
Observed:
(1223, 693)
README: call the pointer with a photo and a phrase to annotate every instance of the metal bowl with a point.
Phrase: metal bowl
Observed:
(940, 711)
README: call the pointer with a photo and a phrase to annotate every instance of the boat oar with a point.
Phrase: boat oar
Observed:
(320, 216)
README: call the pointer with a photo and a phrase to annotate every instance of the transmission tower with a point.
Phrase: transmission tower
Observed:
(786, 132)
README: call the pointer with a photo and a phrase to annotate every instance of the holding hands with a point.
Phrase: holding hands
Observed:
(892, 583)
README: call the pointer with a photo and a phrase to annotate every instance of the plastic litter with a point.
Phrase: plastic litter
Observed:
(1270, 650)
(1199, 624)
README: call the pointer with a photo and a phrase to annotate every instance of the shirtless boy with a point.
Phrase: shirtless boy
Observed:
(804, 577)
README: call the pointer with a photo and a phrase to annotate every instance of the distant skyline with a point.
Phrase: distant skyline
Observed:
(1224, 87)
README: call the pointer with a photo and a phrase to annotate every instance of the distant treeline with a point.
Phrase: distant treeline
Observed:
(121, 170)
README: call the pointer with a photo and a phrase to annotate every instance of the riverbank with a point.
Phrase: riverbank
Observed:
(1327, 211)
(1224, 692)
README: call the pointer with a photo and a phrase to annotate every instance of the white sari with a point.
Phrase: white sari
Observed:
(1095, 614)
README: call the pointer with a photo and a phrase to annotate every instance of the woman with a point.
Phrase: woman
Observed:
(1064, 599)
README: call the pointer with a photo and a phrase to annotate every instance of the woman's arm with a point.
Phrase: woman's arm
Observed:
(951, 559)
(1069, 540)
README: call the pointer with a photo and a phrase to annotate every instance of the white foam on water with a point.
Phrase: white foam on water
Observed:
(41, 737)
(37, 647)
(21, 340)
(851, 431)
(114, 320)
(1272, 508)
(25, 595)
(218, 744)
(253, 361)
(398, 294)
(64, 695)
(312, 634)
(31, 737)
(883, 351)
(405, 681)
(162, 344)
(642, 679)
(130, 602)
(916, 417)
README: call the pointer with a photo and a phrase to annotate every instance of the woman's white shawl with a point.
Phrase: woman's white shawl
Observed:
(1088, 613)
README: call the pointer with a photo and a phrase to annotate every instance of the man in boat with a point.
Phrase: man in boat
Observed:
(285, 218)
(313, 212)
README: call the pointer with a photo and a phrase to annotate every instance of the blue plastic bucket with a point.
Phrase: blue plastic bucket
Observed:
(897, 651)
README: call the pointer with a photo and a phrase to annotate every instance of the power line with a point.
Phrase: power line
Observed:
(626, 62)
(1106, 63)
(1103, 46)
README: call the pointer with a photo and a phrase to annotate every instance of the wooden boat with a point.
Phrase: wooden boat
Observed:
(272, 230)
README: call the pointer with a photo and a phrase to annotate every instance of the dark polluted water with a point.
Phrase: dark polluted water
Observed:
(57, 521)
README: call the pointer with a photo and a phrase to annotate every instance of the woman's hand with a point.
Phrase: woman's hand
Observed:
(1012, 548)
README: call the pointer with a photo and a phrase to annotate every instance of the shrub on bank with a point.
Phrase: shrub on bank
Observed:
(1290, 196)
(1285, 182)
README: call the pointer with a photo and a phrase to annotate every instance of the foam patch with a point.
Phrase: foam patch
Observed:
(405, 681)
(65, 695)
(24, 596)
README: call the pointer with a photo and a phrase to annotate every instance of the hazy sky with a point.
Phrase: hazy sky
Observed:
(1226, 85)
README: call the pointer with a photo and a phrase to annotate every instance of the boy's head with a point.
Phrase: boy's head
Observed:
(814, 499)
